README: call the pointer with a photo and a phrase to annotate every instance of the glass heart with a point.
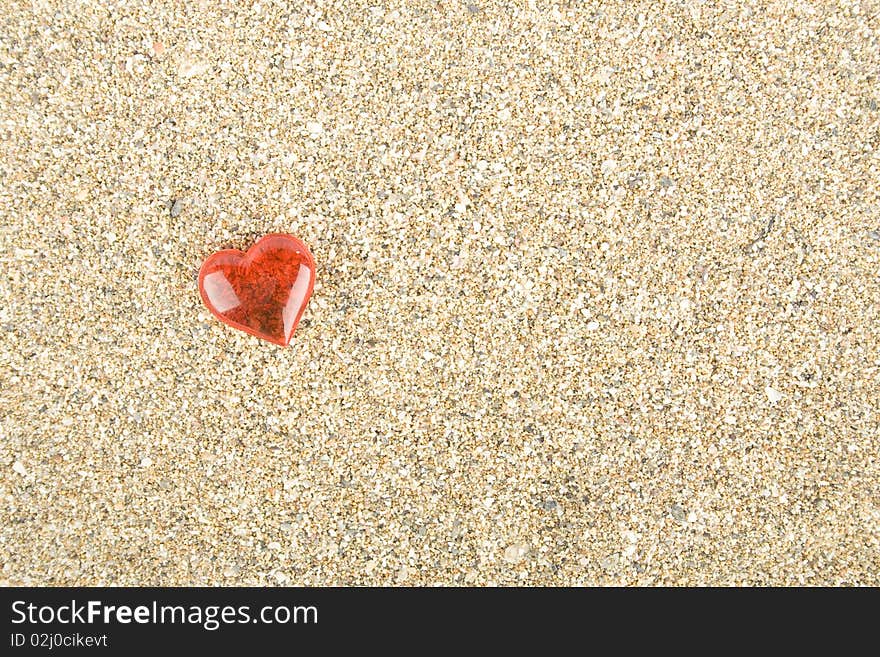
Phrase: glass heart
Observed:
(262, 292)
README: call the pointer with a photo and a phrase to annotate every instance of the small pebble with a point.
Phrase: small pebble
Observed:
(515, 552)
(772, 394)
(176, 207)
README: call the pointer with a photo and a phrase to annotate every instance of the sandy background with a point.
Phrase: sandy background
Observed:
(597, 299)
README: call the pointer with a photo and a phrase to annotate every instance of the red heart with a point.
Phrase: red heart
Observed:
(262, 292)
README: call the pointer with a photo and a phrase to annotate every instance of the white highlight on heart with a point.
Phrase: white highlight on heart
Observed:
(220, 292)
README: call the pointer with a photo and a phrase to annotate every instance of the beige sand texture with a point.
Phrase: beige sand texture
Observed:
(597, 296)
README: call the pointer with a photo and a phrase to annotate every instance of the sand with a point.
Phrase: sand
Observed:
(597, 294)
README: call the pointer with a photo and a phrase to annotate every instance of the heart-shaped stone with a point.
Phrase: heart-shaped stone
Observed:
(262, 292)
